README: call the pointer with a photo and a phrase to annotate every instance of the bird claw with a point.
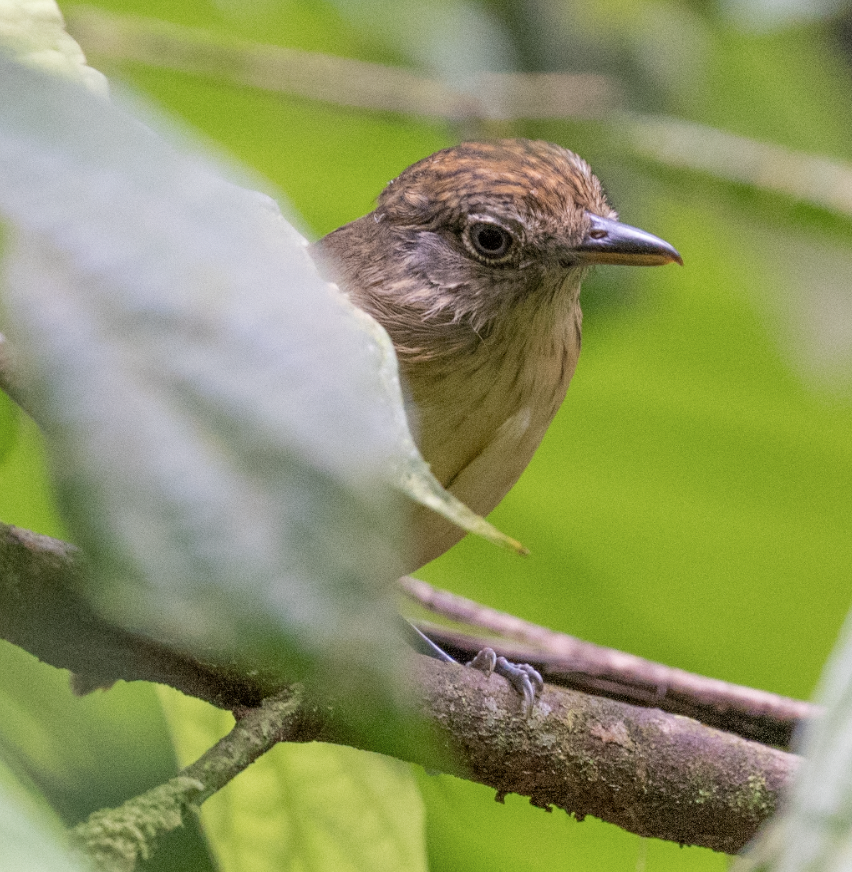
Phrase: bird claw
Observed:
(526, 680)
(485, 661)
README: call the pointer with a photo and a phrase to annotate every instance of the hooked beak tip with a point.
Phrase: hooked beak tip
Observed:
(610, 241)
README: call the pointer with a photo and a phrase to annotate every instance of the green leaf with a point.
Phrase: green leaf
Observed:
(314, 806)
(30, 836)
(228, 441)
(219, 438)
(814, 828)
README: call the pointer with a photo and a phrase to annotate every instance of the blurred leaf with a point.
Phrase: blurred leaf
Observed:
(86, 753)
(322, 807)
(35, 32)
(224, 429)
(30, 836)
(194, 376)
(814, 829)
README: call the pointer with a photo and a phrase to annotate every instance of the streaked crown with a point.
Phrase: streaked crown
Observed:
(538, 183)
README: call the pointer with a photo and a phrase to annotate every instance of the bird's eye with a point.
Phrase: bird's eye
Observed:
(489, 241)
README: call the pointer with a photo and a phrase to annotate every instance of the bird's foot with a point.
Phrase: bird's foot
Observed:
(526, 680)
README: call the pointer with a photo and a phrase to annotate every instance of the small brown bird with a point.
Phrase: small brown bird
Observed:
(472, 261)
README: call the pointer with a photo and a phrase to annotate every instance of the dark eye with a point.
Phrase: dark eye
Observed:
(489, 241)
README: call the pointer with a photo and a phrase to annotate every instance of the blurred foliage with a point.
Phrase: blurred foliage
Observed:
(86, 754)
(32, 837)
(691, 502)
(813, 829)
(313, 806)
(273, 524)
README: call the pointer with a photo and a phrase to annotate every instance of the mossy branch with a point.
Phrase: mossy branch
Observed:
(652, 773)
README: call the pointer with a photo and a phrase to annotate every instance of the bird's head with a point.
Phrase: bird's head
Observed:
(484, 224)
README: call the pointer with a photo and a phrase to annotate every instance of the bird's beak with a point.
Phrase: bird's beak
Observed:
(609, 241)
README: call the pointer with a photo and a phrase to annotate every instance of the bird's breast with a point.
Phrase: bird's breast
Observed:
(484, 411)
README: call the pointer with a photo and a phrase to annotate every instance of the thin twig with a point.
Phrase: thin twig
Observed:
(487, 98)
(808, 178)
(342, 81)
(571, 662)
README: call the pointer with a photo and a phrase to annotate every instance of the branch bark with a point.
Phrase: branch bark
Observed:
(570, 662)
(646, 771)
(650, 772)
(42, 612)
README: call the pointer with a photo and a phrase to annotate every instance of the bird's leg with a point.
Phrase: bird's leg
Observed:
(422, 644)
(525, 679)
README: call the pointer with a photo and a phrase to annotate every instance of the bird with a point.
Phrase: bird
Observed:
(472, 261)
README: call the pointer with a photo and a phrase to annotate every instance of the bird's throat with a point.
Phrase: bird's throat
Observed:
(504, 386)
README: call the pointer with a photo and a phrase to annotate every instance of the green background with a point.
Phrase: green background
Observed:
(691, 502)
